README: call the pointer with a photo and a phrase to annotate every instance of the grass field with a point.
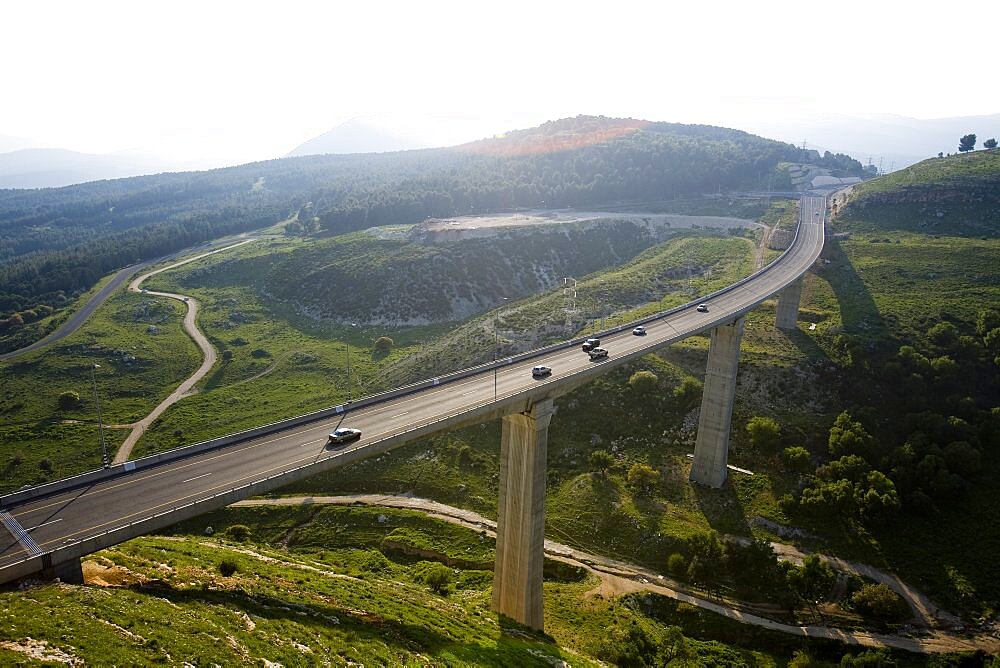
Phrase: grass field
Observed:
(142, 352)
(329, 585)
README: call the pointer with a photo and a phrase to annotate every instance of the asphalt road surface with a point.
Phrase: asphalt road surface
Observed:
(65, 519)
(80, 316)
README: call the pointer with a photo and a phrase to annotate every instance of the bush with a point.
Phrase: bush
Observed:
(642, 477)
(238, 532)
(688, 393)
(259, 353)
(797, 458)
(45, 465)
(68, 400)
(600, 461)
(643, 382)
(436, 576)
(676, 564)
(764, 433)
(383, 346)
(227, 567)
(227, 355)
(879, 602)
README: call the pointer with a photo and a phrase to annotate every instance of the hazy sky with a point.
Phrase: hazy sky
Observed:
(235, 81)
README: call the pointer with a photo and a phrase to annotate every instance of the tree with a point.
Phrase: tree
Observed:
(813, 580)
(642, 477)
(688, 393)
(878, 601)
(68, 400)
(600, 461)
(848, 437)
(986, 321)
(383, 346)
(227, 567)
(764, 433)
(967, 143)
(643, 382)
(676, 564)
(990, 144)
(797, 458)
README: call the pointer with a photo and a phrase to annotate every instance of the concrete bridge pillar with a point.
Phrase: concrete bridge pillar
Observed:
(711, 449)
(69, 571)
(788, 305)
(517, 576)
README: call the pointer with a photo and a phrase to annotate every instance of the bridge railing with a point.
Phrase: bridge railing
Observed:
(229, 439)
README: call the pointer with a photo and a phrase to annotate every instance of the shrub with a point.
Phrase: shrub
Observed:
(45, 465)
(688, 393)
(227, 355)
(227, 567)
(879, 602)
(238, 532)
(600, 461)
(436, 576)
(68, 400)
(259, 353)
(676, 564)
(643, 382)
(797, 458)
(642, 477)
(383, 346)
(764, 433)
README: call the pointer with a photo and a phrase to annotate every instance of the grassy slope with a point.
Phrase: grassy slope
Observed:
(318, 585)
(879, 283)
(138, 369)
(305, 365)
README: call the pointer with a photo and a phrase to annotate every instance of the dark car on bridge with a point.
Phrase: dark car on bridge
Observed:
(589, 344)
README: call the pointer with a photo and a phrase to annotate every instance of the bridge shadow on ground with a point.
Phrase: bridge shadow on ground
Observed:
(411, 629)
(722, 508)
(858, 311)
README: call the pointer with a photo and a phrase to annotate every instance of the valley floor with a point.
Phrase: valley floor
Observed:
(931, 628)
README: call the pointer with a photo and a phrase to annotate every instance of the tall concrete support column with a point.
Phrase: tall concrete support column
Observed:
(788, 305)
(517, 576)
(711, 448)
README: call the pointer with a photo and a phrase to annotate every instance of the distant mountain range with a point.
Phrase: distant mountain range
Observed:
(359, 136)
(891, 142)
(55, 167)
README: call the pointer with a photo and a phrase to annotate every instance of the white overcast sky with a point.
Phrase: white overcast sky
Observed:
(236, 81)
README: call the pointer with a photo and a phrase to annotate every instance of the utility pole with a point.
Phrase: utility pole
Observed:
(100, 419)
(496, 348)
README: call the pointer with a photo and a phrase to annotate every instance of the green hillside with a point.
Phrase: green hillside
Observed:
(56, 243)
(302, 586)
(884, 439)
(954, 195)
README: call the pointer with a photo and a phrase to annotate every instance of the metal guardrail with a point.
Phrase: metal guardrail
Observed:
(230, 439)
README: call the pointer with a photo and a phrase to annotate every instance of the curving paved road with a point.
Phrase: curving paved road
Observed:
(72, 522)
(78, 318)
(208, 353)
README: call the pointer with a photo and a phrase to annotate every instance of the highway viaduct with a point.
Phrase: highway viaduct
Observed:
(54, 525)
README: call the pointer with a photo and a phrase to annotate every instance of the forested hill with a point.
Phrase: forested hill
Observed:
(55, 242)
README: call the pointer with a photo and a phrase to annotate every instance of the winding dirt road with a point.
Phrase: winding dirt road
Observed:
(208, 352)
(618, 578)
